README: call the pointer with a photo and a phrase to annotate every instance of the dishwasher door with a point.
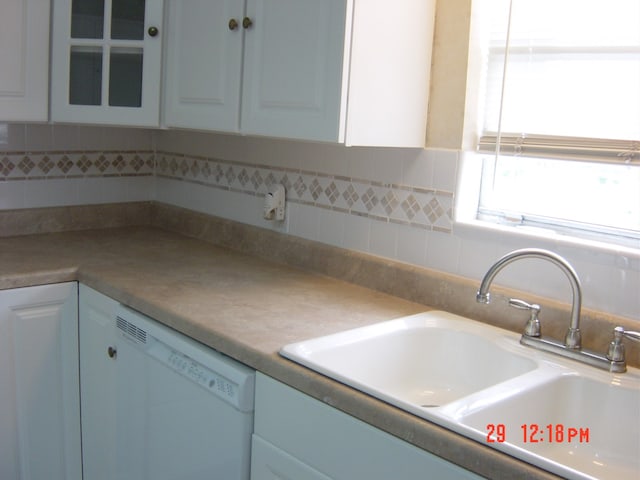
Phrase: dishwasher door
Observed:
(165, 408)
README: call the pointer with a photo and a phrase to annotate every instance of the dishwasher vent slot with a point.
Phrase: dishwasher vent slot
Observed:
(131, 330)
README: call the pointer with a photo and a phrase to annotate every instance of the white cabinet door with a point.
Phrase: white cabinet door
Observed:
(204, 64)
(338, 445)
(292, 80)
(115, 417)
(39, 389)
(288, 76)
(106, 61)
(24, 60)
(97, 315)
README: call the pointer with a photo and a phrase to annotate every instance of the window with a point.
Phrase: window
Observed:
(561, 123)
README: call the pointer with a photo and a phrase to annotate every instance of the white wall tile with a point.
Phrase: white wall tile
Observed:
(592, 276)
(445, 168)
(383, 239)
(304, 221)
(417, 171)
(626, 297)
(378, 164)
(11, 195)
(173, 192)
(12, 137)
(272, 152)
(65, 138)
(45, 193)
(200, 198)
(250, 209)
(90, 190)
(357, 231)
(115, 138)
(443, 252)
(139, 189)
(331, 227)
(412, 245)
(38, 137)
(114, 189)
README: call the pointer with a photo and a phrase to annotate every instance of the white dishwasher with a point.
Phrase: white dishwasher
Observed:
(164, 408)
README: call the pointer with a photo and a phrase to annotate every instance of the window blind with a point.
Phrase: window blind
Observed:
(562, 148)
(563, 80)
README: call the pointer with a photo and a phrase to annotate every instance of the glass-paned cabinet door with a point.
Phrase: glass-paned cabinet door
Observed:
(106, 61)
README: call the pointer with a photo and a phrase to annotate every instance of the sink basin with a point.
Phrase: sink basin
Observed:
(417, 362)
(588, 425)
(563, 416)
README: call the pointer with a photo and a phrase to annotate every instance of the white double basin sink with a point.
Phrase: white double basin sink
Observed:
(477, 380)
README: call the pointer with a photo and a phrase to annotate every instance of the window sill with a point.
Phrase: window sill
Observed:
(543, 238)
(467, 225)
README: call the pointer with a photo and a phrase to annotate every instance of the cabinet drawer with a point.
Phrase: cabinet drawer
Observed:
(270, 463)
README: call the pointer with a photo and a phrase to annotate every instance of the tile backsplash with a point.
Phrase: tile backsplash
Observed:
(393, 203)
(43, 165)
(56, 165)
(396, 203)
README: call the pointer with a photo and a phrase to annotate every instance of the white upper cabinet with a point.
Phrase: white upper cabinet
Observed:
(386, 91)
(24, 60)
(106, 61)
(345, 71)
(204, 64)
(293, 68)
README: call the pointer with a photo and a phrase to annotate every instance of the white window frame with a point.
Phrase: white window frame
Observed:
(493, 144)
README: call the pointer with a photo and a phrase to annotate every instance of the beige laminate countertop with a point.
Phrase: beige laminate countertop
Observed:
(243, 306)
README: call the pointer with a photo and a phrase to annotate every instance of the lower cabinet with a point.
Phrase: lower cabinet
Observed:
(296, 436)
(39, 396)
(98, 385)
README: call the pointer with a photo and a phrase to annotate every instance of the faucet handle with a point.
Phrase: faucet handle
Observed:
(616, 347)
(628, 334)
(532, 328)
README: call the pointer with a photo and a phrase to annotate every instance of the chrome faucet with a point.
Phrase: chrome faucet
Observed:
(573, 337)
(613, 360)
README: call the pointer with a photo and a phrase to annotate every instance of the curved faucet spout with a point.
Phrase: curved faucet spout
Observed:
(573, 336)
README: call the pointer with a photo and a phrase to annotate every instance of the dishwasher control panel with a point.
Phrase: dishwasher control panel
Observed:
(198, 373)
(228, 380)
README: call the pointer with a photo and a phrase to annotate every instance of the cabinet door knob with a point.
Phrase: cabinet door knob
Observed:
(233, 24)
(153, 31)
(112, 352)
(246, 22)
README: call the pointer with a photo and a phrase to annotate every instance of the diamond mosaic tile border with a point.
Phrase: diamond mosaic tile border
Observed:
(50, 165)
(401, 204)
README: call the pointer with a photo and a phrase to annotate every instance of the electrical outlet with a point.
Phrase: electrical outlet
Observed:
(274, 203)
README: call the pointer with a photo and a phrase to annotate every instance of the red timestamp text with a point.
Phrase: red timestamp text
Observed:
(535, 433)
(553, 433)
